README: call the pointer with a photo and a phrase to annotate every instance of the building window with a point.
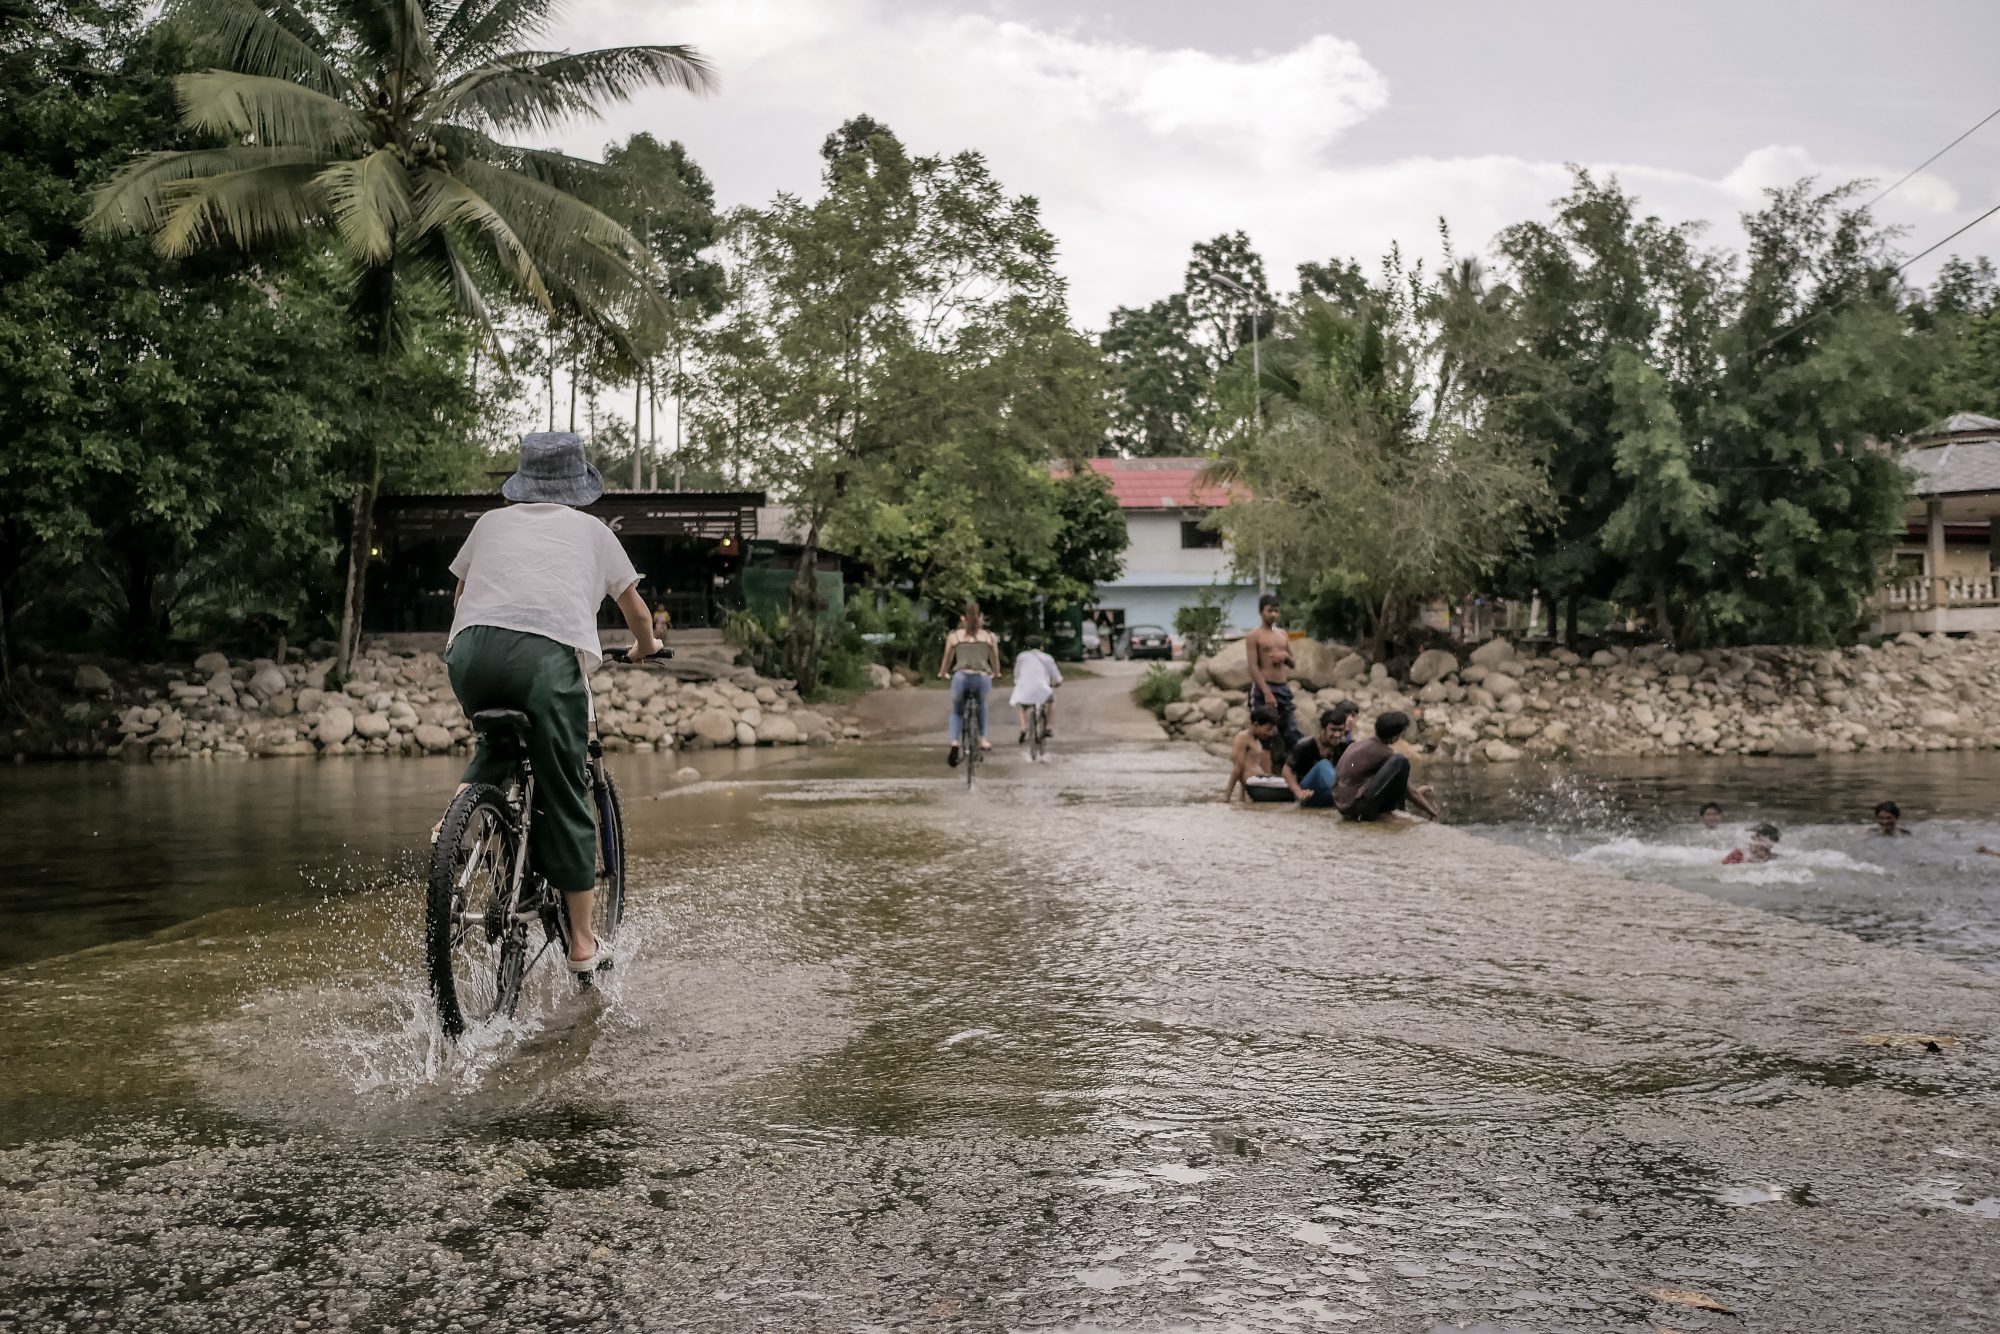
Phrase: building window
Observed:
(1193, 535)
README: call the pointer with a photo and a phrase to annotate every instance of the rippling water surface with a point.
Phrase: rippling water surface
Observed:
(1079, 1050)
(1931, 891)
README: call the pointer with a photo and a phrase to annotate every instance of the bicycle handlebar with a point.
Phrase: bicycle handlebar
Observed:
(625, 655)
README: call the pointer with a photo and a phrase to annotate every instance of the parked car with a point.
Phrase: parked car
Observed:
(1150, 641)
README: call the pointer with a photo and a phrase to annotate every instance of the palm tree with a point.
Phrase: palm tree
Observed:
(376, 118)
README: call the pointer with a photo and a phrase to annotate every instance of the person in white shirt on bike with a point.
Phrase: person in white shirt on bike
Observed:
(1036, 677)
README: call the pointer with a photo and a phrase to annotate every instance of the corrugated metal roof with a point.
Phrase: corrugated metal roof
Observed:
(1160, 483)
(1963, 467)
(1960, 423)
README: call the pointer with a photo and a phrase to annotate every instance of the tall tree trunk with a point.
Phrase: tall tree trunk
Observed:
(653, 410)
(805, 610)
(549, 341)
(380, 298)
(1569, 618)
(572, 389)
(638, 454)
(6, 650)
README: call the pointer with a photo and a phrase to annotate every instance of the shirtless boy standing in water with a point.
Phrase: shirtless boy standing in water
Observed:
(1269, 651)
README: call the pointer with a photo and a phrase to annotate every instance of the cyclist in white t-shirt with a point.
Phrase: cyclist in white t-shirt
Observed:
(1036, 677)
(524, 636)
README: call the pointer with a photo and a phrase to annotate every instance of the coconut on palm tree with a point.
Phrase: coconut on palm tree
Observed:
(377, 118)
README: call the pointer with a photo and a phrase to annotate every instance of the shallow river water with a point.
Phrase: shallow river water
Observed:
(1081, 1050)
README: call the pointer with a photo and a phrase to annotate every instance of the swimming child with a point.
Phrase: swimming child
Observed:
(1763, 846)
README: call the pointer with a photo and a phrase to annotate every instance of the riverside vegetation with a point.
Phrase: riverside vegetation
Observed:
(1914, 693)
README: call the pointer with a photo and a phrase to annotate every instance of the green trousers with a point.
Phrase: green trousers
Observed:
(492, 668)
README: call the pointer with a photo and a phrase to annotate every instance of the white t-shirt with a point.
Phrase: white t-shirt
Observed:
(542, 570)
(1036, 677)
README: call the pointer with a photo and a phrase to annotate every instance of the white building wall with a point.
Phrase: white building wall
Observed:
(1161, 576)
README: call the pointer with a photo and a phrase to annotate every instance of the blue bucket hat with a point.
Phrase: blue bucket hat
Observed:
(553, 471)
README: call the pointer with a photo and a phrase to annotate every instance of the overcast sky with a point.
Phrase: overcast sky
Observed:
(1333, 129)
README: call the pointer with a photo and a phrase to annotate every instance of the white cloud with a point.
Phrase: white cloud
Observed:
(1135, 151)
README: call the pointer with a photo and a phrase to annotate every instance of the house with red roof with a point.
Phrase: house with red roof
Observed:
(1171, 554)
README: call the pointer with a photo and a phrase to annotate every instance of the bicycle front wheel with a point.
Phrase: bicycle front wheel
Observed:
(476, 948)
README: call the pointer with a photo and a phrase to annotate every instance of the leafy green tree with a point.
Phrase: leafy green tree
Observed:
(1376, 479)
(376, 120)
(1156, 377)
(1595, 284)
(177, 425)
(1163, 362)
(666, 200)
(899, 365)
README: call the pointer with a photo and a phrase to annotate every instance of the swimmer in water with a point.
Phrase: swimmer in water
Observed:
(1763, 846)
(1711, 816)
(1889, 819)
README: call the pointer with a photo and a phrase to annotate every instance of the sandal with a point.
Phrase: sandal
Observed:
(585, 967)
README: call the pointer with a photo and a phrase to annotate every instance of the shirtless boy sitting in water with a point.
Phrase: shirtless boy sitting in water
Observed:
(1269, 653)
(1250, 755)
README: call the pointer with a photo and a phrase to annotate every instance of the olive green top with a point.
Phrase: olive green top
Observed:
(974, 653)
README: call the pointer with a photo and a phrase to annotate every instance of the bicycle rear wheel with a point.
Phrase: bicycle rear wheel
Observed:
(1038, 727)
(477, 951)
(968, 731)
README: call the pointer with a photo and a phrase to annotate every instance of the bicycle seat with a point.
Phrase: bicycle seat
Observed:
(502, 723)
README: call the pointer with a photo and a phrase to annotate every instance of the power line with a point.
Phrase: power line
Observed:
(1824, 311)
(1932, 158)
(1954, 236)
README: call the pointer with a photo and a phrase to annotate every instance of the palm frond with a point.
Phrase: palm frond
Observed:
(619, 71)
(272, 39)
(449, 203)
(370, 201)
(582, 254)
(510, 97)
(410, 25)
(274, 111)
(592, 182)
(478, 30)
(135, 199)
(443, 259)
(252, 208)
(534, 90)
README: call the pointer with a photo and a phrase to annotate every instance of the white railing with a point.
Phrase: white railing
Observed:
(1923, 594)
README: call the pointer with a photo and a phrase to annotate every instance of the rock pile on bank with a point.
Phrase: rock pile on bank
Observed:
(402, 704)
(1914, 693)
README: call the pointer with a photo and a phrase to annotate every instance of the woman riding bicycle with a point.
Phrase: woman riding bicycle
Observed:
(972, 661)
(524, 636)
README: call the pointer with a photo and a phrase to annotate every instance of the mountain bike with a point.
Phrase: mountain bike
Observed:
(1038, 729)
(484, 908)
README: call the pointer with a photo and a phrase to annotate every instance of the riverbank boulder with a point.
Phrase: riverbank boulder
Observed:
(401, 703)
(1912, 693)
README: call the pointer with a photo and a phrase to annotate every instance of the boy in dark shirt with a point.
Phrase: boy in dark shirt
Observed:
(1372, 780)
(1309, 768)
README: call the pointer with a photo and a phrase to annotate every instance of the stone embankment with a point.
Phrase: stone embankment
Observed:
(402, 704)
(1913, 693)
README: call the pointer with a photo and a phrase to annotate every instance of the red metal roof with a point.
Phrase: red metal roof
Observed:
(1151, 484)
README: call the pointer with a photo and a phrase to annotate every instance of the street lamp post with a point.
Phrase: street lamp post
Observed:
(1256, 393)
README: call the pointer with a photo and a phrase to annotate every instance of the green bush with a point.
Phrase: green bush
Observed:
(1159, 687)
(1201, 624)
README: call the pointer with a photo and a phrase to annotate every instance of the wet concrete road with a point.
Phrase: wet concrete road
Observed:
(1082, 1050)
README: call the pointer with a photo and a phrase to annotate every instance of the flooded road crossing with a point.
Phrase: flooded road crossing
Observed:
(1080, 1050)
